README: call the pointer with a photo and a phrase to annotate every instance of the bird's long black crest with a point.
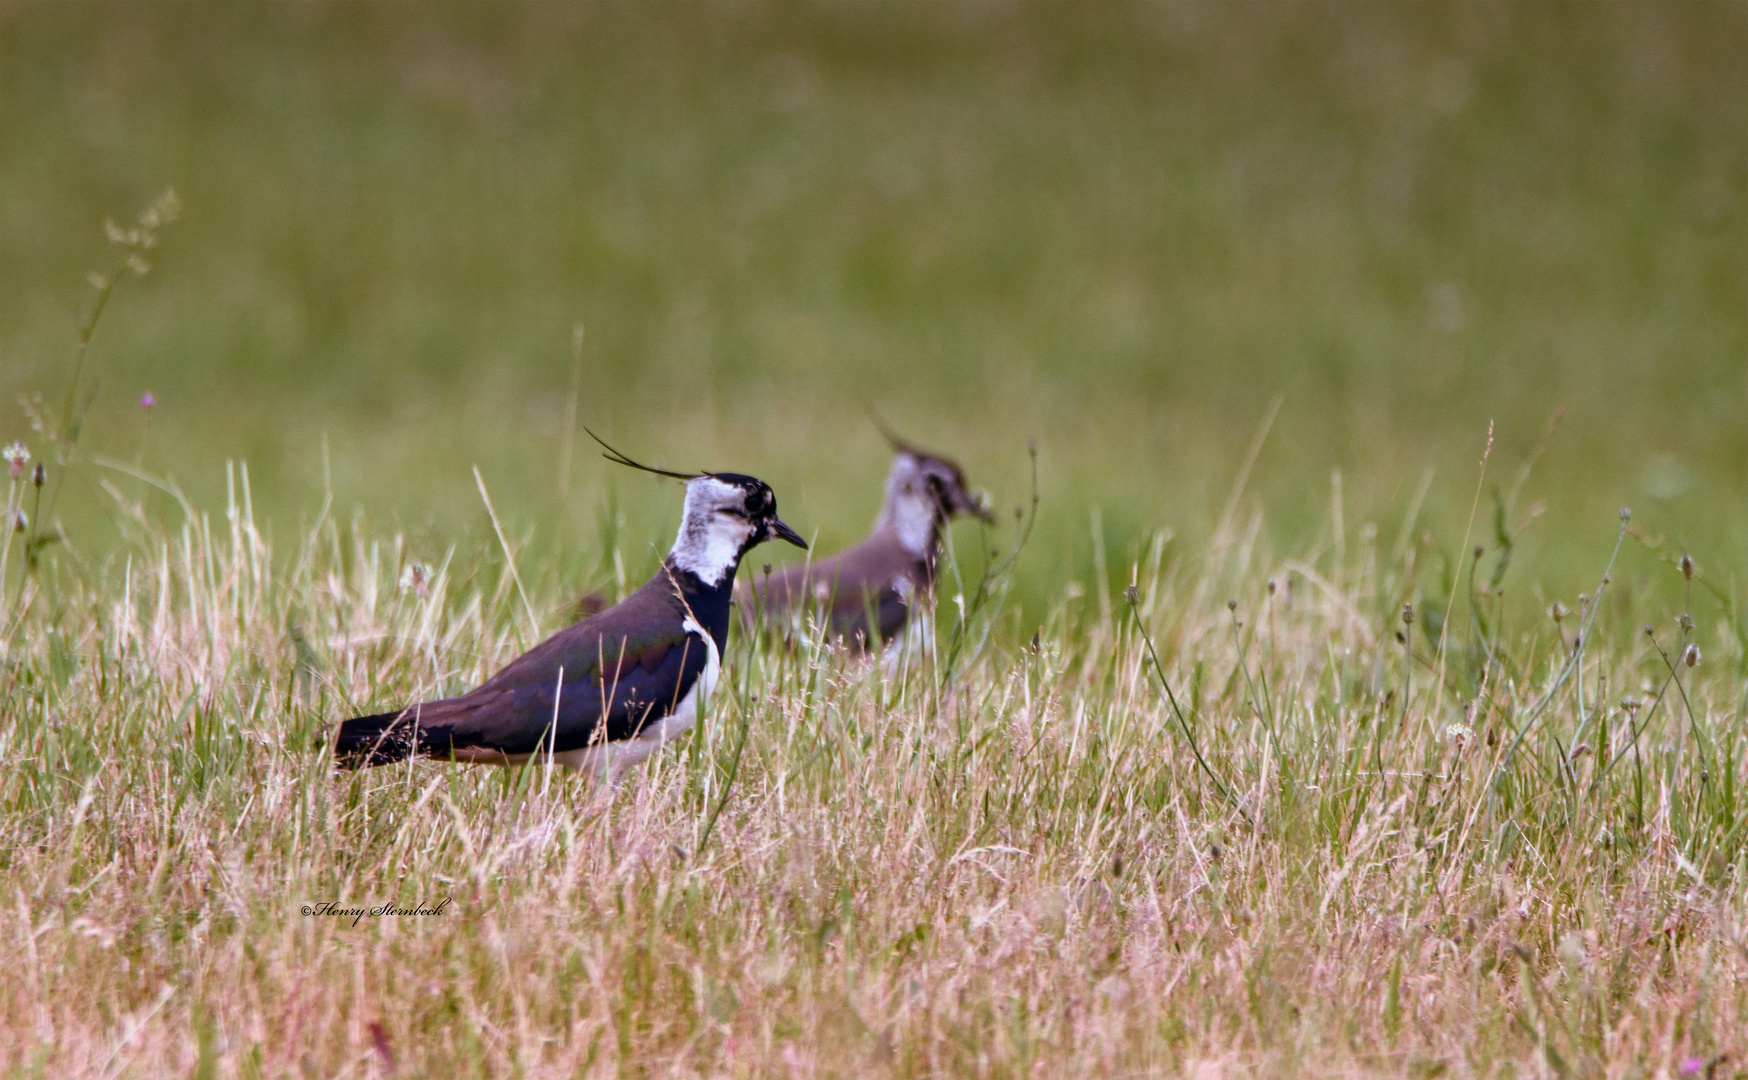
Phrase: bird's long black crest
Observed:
(898, 444)
(620, 459)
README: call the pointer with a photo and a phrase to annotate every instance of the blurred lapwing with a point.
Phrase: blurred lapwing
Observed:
(607, 692)
(876, 584)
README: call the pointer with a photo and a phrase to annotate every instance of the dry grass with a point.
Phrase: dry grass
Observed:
(1019, 869)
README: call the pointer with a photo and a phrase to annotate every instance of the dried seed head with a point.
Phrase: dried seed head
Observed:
(1650, 631)
(17, 457)
(1579, 751)
(1480, 551)
(1231, 605)
(1685, 621)
(1407, 614)
(767, 569)
(1271, 586)
(416, 578)
(39, 476)
(1557, 611)
(1687, 567)
(1691, 656)
(1132, 595)
(1626, 514)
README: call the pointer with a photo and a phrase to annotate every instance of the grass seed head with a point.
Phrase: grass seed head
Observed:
(1687, 567)
(17, 457)
(416, 578)
(1691, 656)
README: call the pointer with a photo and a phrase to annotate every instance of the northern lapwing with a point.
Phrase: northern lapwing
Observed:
(604, 693)
(876, 584)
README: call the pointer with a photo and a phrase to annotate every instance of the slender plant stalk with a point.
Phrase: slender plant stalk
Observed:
(1177, 711)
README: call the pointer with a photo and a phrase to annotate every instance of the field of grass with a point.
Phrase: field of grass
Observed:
(1343, 333)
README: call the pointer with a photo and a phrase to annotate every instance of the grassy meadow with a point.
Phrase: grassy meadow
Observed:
(1314, 708)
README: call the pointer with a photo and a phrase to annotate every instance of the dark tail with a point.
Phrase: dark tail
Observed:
(387, 737)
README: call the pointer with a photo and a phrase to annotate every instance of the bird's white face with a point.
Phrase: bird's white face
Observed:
(714, 529)
(725, 515)
(922, 493)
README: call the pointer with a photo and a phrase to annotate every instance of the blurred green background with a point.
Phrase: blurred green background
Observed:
(1123, 229)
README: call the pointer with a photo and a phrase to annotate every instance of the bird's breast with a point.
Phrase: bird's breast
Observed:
(712, 661)
(686, 712)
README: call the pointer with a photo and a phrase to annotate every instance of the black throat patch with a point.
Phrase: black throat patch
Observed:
(709, 604)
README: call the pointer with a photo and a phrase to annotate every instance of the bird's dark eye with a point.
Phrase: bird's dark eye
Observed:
(758, 502)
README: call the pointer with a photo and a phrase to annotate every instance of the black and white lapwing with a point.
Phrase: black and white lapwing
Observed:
(876, 584)
(604, 693)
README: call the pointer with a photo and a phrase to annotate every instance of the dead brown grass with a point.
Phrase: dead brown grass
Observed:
(1022, 871)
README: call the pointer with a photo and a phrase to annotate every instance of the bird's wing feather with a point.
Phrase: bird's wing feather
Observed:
(627, 665)
(850, 587)
(518, 717)
(649, 619)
